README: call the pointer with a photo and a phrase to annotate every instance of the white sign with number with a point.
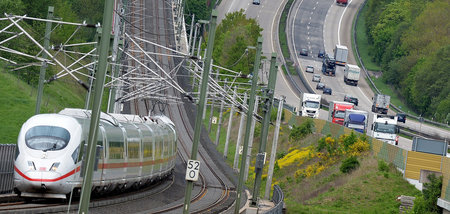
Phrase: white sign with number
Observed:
(214, 120)
(192, 170)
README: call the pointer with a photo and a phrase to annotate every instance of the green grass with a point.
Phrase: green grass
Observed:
(366, 190)
(283, 39)
(18, 101)
(16, 106)
(363, 43)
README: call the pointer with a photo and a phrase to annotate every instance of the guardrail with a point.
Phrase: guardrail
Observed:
(7, 152)
(278, 200)
(373, 84)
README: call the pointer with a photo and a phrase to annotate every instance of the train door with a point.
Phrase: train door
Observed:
(99, 155)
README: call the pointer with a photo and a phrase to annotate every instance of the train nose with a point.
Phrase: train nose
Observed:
(42, 181)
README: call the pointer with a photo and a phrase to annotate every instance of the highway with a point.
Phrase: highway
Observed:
(336, 28)
(316, 25)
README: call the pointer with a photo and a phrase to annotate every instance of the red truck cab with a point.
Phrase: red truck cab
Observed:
(336, 111)
(342, 2)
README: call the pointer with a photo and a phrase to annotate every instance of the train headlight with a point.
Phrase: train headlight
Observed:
(54, 166)
(31, 165)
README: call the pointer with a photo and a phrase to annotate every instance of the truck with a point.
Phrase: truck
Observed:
(336, 111)
(329, 65)
(351, 74)
(310, 105)
(341, 2)
(381, 103)
(340, 54)
(356, 120)
(385, 128)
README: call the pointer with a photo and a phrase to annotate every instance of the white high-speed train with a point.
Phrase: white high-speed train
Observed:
(131, 150)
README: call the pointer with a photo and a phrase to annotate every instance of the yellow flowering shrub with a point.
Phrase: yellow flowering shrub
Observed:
(295, 156)
(359, 147)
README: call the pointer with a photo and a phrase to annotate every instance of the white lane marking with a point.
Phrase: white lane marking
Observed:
(340, 21)
(231, 6)
(364, 95)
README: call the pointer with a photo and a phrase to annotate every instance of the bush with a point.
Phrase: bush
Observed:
(299, 132)
(430, 193)
(349, 164)
(382, 166)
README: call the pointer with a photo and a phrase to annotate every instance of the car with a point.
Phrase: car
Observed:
(309, 69)
(304, 52)
(351, 99)
(327, 91)
(401, 117)
(257, 2)
(320, 86)
(321, 54)
(316, 78)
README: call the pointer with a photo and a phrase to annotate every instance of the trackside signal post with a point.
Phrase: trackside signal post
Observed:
(267, 99)
(251, 107)
(95, 115)
(200, 107)
(48, 28)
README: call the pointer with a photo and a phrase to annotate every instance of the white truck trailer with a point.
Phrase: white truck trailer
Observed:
(385, 128)
(351, 74)
(310, 105)
(340, 54)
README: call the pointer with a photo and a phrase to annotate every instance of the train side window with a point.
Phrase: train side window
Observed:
(133, 149)
(148, 149)
(116, 150)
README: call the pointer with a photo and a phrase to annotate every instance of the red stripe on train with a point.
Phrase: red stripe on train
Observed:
(47, 180)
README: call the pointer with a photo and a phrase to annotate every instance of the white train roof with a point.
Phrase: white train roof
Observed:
(115, 119)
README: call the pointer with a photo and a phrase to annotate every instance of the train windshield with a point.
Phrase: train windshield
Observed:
(47, 138)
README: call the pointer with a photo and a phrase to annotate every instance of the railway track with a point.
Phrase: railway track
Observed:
(209, 178)
(58, 206)
(164, 17)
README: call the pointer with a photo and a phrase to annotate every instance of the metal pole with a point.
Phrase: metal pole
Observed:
(250, 141)
(48, 28)
(230, 124)
(219, 125)
(213, 102)
(251, 107)
(198, 119)
(240, 133)
(87, 104)
(190, 33)
(114, 69)
(273, 152)
(198, 57)
(268, 100)
(207, 89)
(95, 114)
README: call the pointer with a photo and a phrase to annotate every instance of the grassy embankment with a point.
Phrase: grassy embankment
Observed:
(365, 190)
(18, 101)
